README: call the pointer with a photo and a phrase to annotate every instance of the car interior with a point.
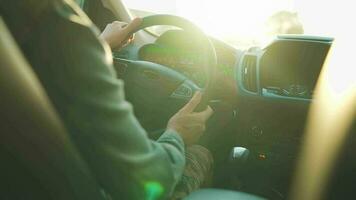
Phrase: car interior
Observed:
(261, 135)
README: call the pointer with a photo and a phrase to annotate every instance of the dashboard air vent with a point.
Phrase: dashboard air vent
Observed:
(249, 77)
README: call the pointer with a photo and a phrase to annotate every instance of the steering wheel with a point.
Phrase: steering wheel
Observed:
(152, 82)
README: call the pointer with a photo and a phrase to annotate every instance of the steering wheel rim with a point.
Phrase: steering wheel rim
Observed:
(209, 52)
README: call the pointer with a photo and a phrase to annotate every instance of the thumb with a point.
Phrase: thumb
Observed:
(133, 26)
(193, 103)
(206, 114)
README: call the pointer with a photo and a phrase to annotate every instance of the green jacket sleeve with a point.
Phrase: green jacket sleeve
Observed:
(76, 70)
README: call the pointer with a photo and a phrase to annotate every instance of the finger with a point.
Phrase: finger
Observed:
(193, 103)
(124, 43)
(204, 115)
(133, 25)
(120, 24)
(127, 41)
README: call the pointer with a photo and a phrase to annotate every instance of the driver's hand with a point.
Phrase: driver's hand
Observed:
(188, 124)
(117, 33)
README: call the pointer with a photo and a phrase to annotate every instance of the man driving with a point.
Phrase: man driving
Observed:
(74, 64)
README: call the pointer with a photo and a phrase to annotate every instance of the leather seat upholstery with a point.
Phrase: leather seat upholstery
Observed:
(38, 160)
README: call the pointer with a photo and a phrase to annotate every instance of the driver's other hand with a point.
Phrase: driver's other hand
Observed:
(117, 34)
(188, 124)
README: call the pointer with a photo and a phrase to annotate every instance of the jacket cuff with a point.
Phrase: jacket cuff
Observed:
(170, 136)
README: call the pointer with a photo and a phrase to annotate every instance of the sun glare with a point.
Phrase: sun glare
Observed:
(233, 21)
(226, 19)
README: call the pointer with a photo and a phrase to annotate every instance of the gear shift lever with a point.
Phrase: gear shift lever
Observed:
(233, 171)
(239, 155)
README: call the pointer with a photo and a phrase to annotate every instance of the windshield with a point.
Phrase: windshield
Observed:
(241, 23)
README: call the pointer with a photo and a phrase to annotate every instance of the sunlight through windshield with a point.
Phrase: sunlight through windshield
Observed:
(240, 23)
(236, 22)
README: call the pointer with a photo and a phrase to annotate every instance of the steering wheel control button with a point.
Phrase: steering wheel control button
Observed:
(256, 131)
(183, 91)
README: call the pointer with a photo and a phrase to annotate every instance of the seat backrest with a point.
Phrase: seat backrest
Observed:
(37, 159)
